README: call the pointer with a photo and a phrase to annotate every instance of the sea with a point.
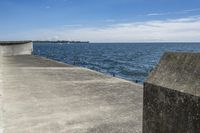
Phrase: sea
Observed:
(130, 61)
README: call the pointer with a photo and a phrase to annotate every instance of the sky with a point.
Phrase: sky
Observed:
(101, 20)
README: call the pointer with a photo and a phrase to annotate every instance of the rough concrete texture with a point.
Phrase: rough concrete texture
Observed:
(172, 95)
(178, 71)
(43, 96)
(16, 48)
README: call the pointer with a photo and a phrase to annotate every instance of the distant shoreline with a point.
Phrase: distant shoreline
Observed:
(68, 42)
(88, 42)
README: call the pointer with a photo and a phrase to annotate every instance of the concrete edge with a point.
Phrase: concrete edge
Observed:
(120, 79)
(14, 42)
(175, 91)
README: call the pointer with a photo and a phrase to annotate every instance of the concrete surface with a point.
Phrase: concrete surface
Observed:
(178, 71)
(172, 95)
(15, 48)
(42, 96)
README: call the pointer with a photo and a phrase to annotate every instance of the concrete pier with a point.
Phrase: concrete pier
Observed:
(38, 95)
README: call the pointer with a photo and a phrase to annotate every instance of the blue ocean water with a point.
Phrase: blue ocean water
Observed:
(130, 61)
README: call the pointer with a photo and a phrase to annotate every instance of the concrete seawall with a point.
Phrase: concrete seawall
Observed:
(38, 95)
(172, 95)
(15, 48)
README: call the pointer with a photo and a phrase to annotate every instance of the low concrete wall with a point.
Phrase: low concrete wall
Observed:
(172, 95)
(16, 48)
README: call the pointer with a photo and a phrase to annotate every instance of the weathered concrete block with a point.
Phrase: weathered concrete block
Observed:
(16, 48)
(172, 95)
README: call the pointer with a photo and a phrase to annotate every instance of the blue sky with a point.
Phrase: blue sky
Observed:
(100, 20)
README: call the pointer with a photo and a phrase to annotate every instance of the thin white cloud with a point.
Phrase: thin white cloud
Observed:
(110, 20)
(72, 25)
(172, 13)
(158, 14)
(192, 10)
(183, 29)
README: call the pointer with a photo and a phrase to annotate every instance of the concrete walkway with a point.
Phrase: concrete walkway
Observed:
(43, 96)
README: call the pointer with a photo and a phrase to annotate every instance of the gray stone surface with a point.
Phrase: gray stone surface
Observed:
(172, 95)
(42, 96)
(16, 48)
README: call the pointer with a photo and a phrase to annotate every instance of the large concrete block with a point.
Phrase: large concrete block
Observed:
(172, 95)
(16, 48)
